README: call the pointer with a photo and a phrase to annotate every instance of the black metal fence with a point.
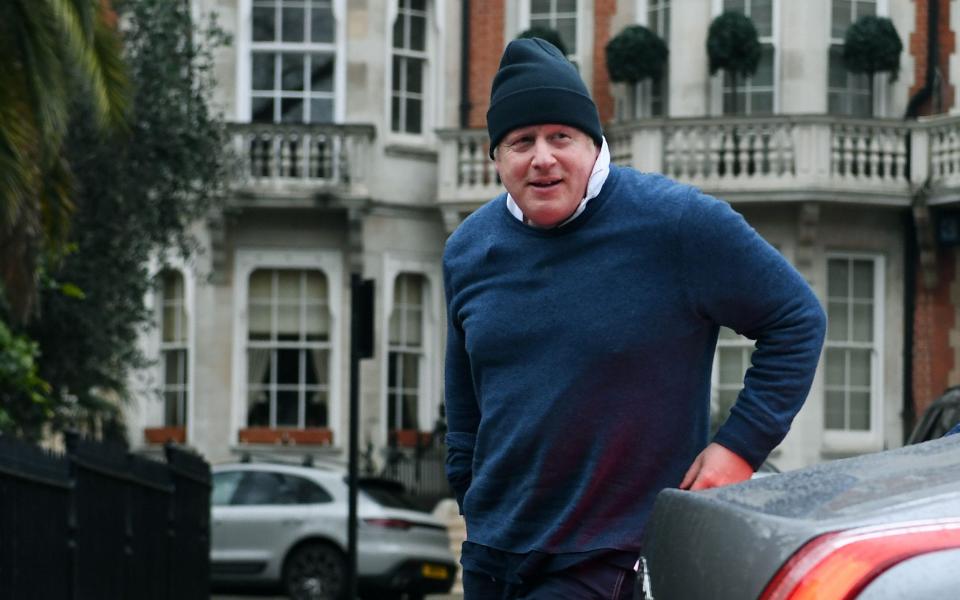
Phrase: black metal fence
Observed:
(421, 469)
(99, 522)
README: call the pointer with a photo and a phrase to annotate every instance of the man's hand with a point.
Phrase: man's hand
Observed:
(715, 466)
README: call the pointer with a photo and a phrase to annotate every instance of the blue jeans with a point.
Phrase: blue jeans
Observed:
(586, 581)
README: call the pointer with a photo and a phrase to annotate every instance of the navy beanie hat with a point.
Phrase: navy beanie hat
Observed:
(536, 84)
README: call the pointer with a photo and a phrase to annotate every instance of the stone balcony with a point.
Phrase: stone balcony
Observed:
(787, 158)
(290, 164)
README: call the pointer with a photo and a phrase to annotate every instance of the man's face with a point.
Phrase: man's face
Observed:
(546, 169)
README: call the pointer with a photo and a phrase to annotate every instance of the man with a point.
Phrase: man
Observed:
(583, 312)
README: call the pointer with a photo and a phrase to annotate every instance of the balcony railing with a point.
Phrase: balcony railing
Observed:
(781, 158)
(303, 157)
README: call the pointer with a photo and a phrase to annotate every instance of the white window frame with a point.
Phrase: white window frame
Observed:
(331, 264)
(150, 411)
(852, 442)
(181, 345)
(518, 21)
(428, 407)
(881, 80)
(643, 91)
(245, 47)
(433, 92)
(716, 81)
(742, 343)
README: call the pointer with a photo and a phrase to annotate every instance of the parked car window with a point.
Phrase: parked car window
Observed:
(264, 487)
(309, 492)
(387, 493)
(224, 486)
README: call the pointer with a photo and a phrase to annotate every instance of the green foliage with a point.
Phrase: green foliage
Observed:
(53, 51)
(138, 198)
(871, 46)
(635, 54)
(733, 44)
(546, 34)
(24, 395)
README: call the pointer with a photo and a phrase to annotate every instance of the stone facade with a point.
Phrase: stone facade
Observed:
(376, 188)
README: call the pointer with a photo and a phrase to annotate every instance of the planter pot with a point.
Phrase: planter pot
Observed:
(411, 438)
(162, 435)
(286, 435)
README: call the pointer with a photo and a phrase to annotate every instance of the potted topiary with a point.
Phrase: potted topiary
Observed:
(872, 46)
(547, 34)
(636, 54)
(734, 47)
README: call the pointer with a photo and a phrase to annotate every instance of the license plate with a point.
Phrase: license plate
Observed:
(434, 571)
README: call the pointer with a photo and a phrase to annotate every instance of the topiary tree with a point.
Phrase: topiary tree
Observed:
(872, 46)
(547, 34)
(733, 46)
(635, 54)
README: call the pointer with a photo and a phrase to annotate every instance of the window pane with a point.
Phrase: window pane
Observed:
(842, 12)
(761, 12)
(395, 114)
(414, 116)
(263, 70)
(731, 367)
(414, 76)
(258, 321)
(409, 412)
(837, 326)
(418, 4)
(411, 371)
(398, 63)
(288, 286)
(393, 370)
(539, 6)
(414, 329)
(174, 367)
(836, 366)
(321, 25)
(862, 323)
(833, 410)
(292, 69)
(316, 409)
(859, 411)
(258, 408)
(293, 23)
(866, 7)
(418, 33)
(863, 279)
(321, 110)
(258, 366)
(761, 103)
(317, 366)
(399, 29)
(264, 24)
(288, 366)
(567, 28)
(735, 6)
(288, 410)
(262, 110)
(291, 110)
(172, 416)
(837, 277)
(838, 72)
(859, 367)
(764, 74)
(725, 401)
(224, 485)
(321, 72)
(318, 323)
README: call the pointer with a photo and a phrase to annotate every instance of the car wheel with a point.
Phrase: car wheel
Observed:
(315, 572)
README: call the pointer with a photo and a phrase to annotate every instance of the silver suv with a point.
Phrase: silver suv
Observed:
(275, 523)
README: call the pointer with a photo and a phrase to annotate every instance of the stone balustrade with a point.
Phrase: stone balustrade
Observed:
(769, 159)
(290, 156)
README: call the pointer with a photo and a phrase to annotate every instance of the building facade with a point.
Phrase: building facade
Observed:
(359, 127)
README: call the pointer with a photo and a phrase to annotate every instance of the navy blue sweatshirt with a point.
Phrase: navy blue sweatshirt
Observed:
(578, 359)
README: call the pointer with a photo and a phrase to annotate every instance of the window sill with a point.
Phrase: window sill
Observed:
(162, 435)
(315, 436)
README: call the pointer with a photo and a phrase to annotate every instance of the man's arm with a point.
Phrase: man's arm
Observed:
(462, 410)
(735, 279)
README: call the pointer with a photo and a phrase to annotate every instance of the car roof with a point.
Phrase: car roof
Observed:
(744, 532)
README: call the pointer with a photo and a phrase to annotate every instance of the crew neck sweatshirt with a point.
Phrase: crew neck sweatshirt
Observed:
(578, 360)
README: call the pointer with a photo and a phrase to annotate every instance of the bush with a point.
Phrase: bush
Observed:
(871, 46)
(733, 44)
(635, 54)
(546, 34)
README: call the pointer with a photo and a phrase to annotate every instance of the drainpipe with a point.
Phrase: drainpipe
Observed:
(912, 252)
(465, 64)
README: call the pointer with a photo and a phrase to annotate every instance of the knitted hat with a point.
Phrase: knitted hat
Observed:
(536, 84)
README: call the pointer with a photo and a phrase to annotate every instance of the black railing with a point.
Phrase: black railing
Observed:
(420, 468)
(99, 522)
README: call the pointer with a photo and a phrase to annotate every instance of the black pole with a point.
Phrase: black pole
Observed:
(465, 64)
(355, 284)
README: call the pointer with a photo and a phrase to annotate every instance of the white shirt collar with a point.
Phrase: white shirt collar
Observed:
(598, 176)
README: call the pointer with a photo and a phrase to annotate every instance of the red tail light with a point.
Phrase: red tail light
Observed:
(838, 565)
(389, 523)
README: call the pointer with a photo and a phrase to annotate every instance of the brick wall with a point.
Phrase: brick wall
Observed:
(603, 16)
(486, 45)
(917, 47)
(933, 319)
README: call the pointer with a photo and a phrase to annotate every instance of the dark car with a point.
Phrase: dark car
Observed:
(941, 416)
(875, 527)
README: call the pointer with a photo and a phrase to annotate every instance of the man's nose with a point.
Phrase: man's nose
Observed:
(542, 154)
